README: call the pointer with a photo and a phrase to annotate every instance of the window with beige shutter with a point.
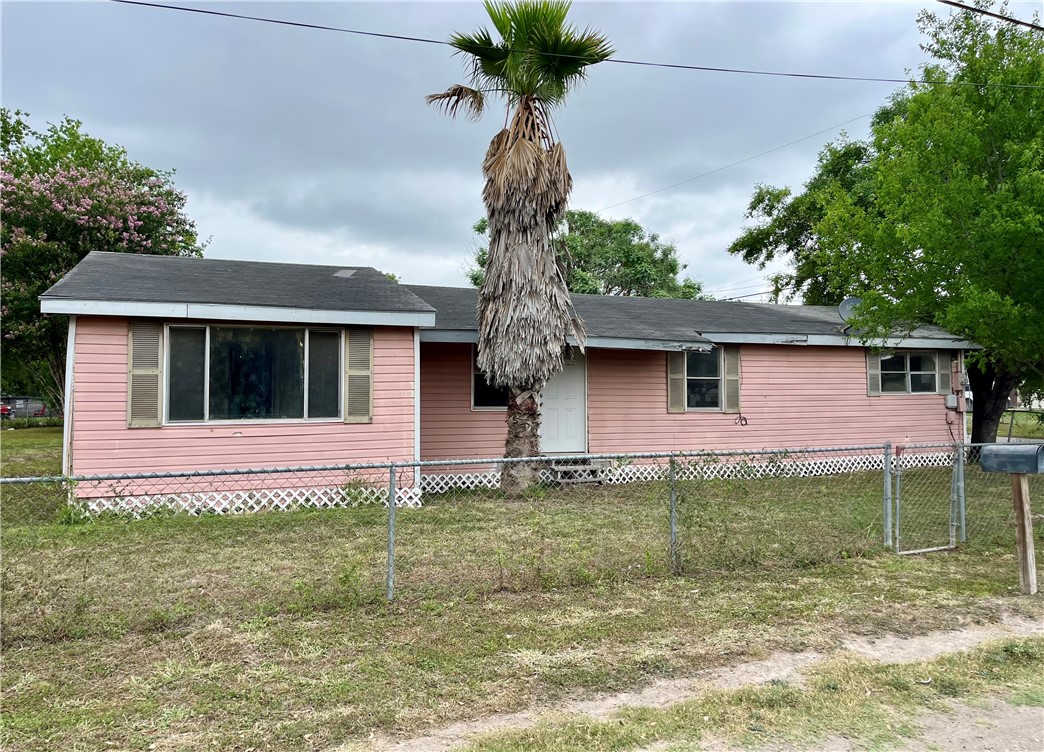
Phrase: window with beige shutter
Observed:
(358, 392)
(908, 372)
(704, 380)
(144, 374)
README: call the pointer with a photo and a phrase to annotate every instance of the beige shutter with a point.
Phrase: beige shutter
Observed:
(944, 367)
(675, 382)
(144, 375)
(358, 376)
(873, 374)
(732, 378)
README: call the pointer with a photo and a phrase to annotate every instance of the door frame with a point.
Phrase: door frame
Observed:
(586, 411)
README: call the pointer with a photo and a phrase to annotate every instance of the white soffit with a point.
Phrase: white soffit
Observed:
(215, 312)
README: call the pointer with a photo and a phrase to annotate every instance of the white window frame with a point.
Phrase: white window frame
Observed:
(721, 384)
(471, 386)
(206, 377)
(936, 355)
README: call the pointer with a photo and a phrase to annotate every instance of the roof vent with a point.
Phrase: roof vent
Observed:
(344, 273)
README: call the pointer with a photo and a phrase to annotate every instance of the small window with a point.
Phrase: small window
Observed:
(909, 373)
(703, 379)
(188, 368)
(324, 374)
(483, 395)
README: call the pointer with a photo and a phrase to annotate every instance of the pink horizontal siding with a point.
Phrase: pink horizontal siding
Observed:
(791, 397)
(450, 429)
(103, 444)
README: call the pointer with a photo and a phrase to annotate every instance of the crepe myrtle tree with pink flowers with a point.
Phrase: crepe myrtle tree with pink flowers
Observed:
(64, 194)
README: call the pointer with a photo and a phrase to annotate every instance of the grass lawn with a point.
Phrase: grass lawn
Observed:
(31, 452)
(271, 631)
(1025, 426)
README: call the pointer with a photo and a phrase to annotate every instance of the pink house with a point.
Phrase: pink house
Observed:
(180, 364)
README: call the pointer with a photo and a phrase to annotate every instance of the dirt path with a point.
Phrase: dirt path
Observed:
(971, 729)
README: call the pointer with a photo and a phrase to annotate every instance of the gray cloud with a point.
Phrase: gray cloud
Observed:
(305, 145)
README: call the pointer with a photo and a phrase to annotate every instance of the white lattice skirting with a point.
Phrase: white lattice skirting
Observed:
(251, 500)
(706, 468)
(241, 501)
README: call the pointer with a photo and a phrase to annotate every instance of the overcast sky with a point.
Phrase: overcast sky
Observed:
(311, 146)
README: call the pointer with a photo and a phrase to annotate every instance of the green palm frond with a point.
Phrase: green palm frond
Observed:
(558, 60)
(539, 54)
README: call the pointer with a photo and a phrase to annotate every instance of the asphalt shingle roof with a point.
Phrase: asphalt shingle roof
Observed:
(663, 319)
(135, 278)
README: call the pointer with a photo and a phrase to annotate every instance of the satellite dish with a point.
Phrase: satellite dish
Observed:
(848, 307)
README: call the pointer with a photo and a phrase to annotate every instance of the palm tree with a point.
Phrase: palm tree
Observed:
(524, 311)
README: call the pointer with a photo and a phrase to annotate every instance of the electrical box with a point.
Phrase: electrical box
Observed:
(1013, 458)
(951, 401)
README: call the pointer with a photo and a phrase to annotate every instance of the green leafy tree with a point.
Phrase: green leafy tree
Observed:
(524, 313)
(786, 227)
(65, 194)
(608, 257)
(939, 216)
(955, 236)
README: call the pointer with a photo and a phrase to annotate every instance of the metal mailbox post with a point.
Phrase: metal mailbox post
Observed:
(1019, 460)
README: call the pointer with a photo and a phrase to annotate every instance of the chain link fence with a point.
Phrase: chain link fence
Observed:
(285, 537)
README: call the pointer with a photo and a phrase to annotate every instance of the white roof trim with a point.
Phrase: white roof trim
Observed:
(757, 339)
(836, 340)
(609, 343)
(215, 312)
(830, 340)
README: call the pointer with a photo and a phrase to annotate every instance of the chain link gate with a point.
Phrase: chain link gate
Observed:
(924, 517)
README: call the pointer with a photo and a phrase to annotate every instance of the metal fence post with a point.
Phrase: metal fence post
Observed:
(898, 500)
(953, 496)
(961, 507)
(887, 494)
(675, 568)
(391, 534)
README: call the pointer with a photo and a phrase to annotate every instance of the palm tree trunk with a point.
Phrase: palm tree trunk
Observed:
(524, 309)
(523, 440)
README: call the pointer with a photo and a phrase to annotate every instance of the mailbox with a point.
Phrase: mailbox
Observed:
(1013, 458)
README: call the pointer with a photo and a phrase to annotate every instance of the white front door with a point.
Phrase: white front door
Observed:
(563, 410)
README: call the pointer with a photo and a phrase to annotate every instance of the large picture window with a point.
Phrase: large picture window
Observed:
(253, 373)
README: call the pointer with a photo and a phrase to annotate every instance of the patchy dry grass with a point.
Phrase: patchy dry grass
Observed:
(877, 706)
(271, 632)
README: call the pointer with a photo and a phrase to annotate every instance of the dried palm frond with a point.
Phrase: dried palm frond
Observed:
(524, 309)
(459, 98)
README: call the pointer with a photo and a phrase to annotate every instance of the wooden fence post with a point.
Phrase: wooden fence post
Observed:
(1024, 533)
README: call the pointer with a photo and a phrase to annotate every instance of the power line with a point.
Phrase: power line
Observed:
(620, 61)
(991, 14)
(763, 292)
(298, 24)
(740, 285)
